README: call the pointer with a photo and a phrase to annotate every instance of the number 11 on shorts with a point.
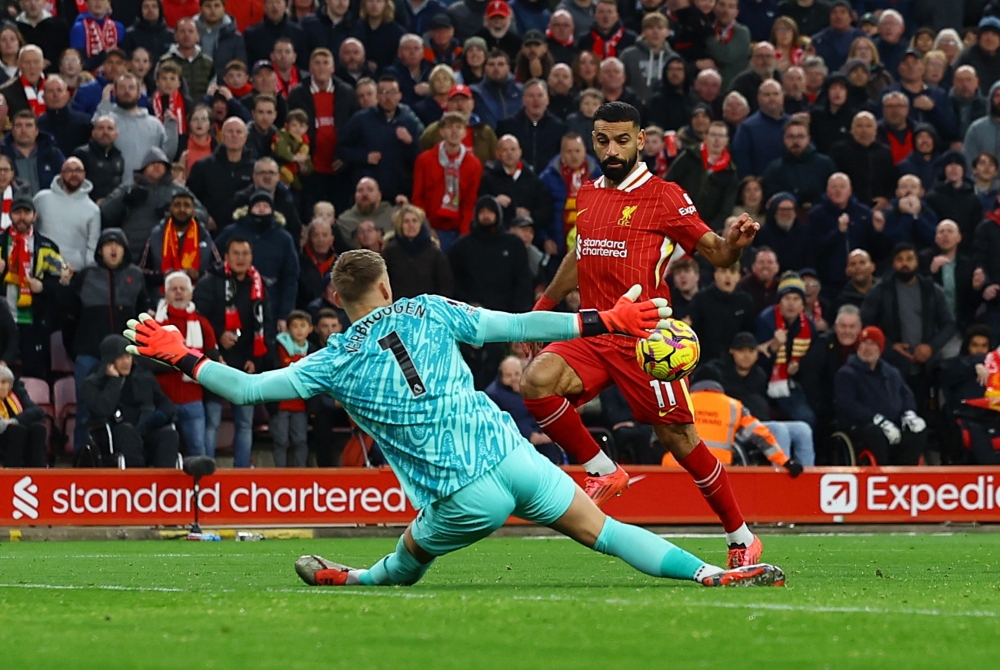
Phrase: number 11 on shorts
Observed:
(664, 395)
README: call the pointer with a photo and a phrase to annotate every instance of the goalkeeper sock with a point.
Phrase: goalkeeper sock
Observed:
(399, 568)
(647, 552)
(712, 479)
(558, 420)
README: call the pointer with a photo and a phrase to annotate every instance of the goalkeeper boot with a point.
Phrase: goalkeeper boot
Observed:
(317, 571)
(751, 575)
(601, 488)
(741, 555)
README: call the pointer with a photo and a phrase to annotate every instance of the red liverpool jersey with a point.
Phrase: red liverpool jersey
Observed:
(628, 235)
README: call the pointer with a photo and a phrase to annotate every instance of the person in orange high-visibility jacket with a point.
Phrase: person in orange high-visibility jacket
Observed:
(722, 421)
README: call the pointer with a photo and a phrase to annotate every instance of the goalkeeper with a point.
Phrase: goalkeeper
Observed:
(461, 461)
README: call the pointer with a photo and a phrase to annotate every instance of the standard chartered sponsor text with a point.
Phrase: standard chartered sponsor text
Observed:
(610, 248)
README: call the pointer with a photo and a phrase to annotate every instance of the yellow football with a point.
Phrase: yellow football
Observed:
(669, 353)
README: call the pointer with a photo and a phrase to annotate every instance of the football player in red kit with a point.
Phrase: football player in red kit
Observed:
(629, 225)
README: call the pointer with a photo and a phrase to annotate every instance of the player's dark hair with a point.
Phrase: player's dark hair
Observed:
(237, 239)
(298, 315)
(355, 272)
(617, 112)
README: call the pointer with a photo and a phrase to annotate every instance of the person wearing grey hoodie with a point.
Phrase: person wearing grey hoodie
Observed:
(138, 207)
(983, 135)
(68, 217)
(646, 60)
(138, 131)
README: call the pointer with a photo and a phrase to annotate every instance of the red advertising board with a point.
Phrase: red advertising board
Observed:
(359, 496)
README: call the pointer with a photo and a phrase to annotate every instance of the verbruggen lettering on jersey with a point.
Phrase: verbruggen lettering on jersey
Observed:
(361, 329)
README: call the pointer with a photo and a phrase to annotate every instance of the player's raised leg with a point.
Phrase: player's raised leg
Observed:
(545, 386)
(683, 442)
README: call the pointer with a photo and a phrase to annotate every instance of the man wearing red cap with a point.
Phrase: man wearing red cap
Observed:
(877, 408)
(478, 136)
(498, 30)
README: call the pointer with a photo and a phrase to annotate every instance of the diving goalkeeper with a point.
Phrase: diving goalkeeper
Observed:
(461, 461)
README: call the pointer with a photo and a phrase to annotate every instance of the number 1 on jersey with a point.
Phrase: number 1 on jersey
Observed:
(670, 399)
(402, 356)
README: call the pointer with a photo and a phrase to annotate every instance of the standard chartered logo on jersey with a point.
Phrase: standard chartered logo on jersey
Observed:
(606, 248)
(25, 500)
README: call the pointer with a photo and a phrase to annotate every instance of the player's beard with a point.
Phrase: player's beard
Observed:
(616, 172)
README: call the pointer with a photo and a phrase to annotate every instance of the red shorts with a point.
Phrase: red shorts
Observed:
(599, 364)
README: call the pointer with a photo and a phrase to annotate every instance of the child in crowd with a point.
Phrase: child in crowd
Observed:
(660, 150)
(290, 424)
(291, 149)
(168, 96)
(583, 121)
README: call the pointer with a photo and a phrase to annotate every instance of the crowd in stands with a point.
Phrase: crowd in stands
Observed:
(207, 162)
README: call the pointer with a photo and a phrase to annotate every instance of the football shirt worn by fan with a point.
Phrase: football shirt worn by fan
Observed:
(461, 461)
(630, 224)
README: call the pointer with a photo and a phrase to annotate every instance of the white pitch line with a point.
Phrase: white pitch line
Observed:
(135, 556)
(94, 587)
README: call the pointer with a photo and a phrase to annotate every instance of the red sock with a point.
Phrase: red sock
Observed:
(560, 421)
(712, 479)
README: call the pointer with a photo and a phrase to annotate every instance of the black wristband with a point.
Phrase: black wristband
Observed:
(591, 323)
(188, 364)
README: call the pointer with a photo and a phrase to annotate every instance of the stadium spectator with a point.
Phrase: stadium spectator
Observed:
(912, 313)
(369, 237)
(833, 43)
(908, 218)
(382, 142)
(412, 257)
(612, 84)
(967, 103)
(541, 265)
(645, 60)
(99, 301)
(261, 37)
(380, 34)
(197, 68)
(316, 260)
(22, 424)
(533, 60)
(562, 97)
(761, 69)
(68, 127)
(892, 48)
(683, 280)
(838, 223)
(11, 42)
(261, 130)
(801, 170)
(70, 68)
(987, 186)
(505, 391)
(669, 107)
(707, 90)
(200, 141)
(983, 135)
(729, 48)
(33, 154)
(446, 182)
(877, 407)
(90, 94)
(284, 60)
(515, 186)
(440, 82)
(758, 141)
(984, 55)
(737, 371)
(582, 13)
(965, 381)
(560, 37)
(708, 176)
(498, 29)
(952, 270)
(810, 16)
(410, 68)
(352, 63)
(138, 207)
(368, 206)
(149, 31)
(762, 282)
(441, 47)
(860, 272)
(928, 104)
(127, 406)
(290, 425)
(817, 306)
(67, 215)
(657, 156)
(793, 84)
(719, 310)
(750, 198)
(235, 300)
(478, 136)
(828, 354)
(786, 332)
(586, 70)
(40, 26)
(26, 92)
(497, 96)
(220, 38)
(735, 111)
(833, 114)
(534, 126)
(581, 121)
(562, 178)
(953, 197)
(866, 162)
(182, 243)
(95, 33)
(607, 36)
(266, 177)
(782, 232)
(216, 178)
(263, 80)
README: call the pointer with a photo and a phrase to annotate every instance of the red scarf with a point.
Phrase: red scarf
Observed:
(10, 406)
(662, 164)
(233, 321)
(35, 96)
(567, 43)
(517, 171)
(8, 200)
(817, 310)
(725, 33)
(177, 256)
(452, 167)
(176, 106)
(574, 180)
(322, 266)
(607, 48)
(293, 79)
(243, 90)
(100, 38)
(19, 266)
(777, 386)
(900, 150)
(720, 164)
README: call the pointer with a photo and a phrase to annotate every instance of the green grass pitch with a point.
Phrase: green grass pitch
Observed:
(851, 602)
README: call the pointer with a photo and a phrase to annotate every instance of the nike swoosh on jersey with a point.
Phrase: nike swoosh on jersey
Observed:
(662, 413)
(580, 212)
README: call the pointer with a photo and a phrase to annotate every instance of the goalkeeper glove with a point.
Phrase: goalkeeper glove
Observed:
(913, 422)
(627, 317)
(162, 343)
(793, 467)
(888, 428)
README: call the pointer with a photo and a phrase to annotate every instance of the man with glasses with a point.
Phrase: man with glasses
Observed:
(67, 215)
(266, 178)
(382, 142)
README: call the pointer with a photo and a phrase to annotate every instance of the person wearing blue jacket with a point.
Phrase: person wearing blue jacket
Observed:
(329, 26)
(572, 156)
(839, 224)
(383, 141)
(88, 96)
(759, 140)
(418, 19)
(908, 218)
(924, 161)
(497, 96)
(783, 233)
(877, 408)
(928, 104)
(833, 43)
(36, 158)
(92, 35)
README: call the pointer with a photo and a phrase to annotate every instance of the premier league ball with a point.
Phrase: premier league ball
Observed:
(669, 353)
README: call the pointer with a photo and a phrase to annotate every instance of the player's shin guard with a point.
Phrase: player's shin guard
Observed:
(712, 479)
(646, 552)
(400, 568)
(557, 419)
